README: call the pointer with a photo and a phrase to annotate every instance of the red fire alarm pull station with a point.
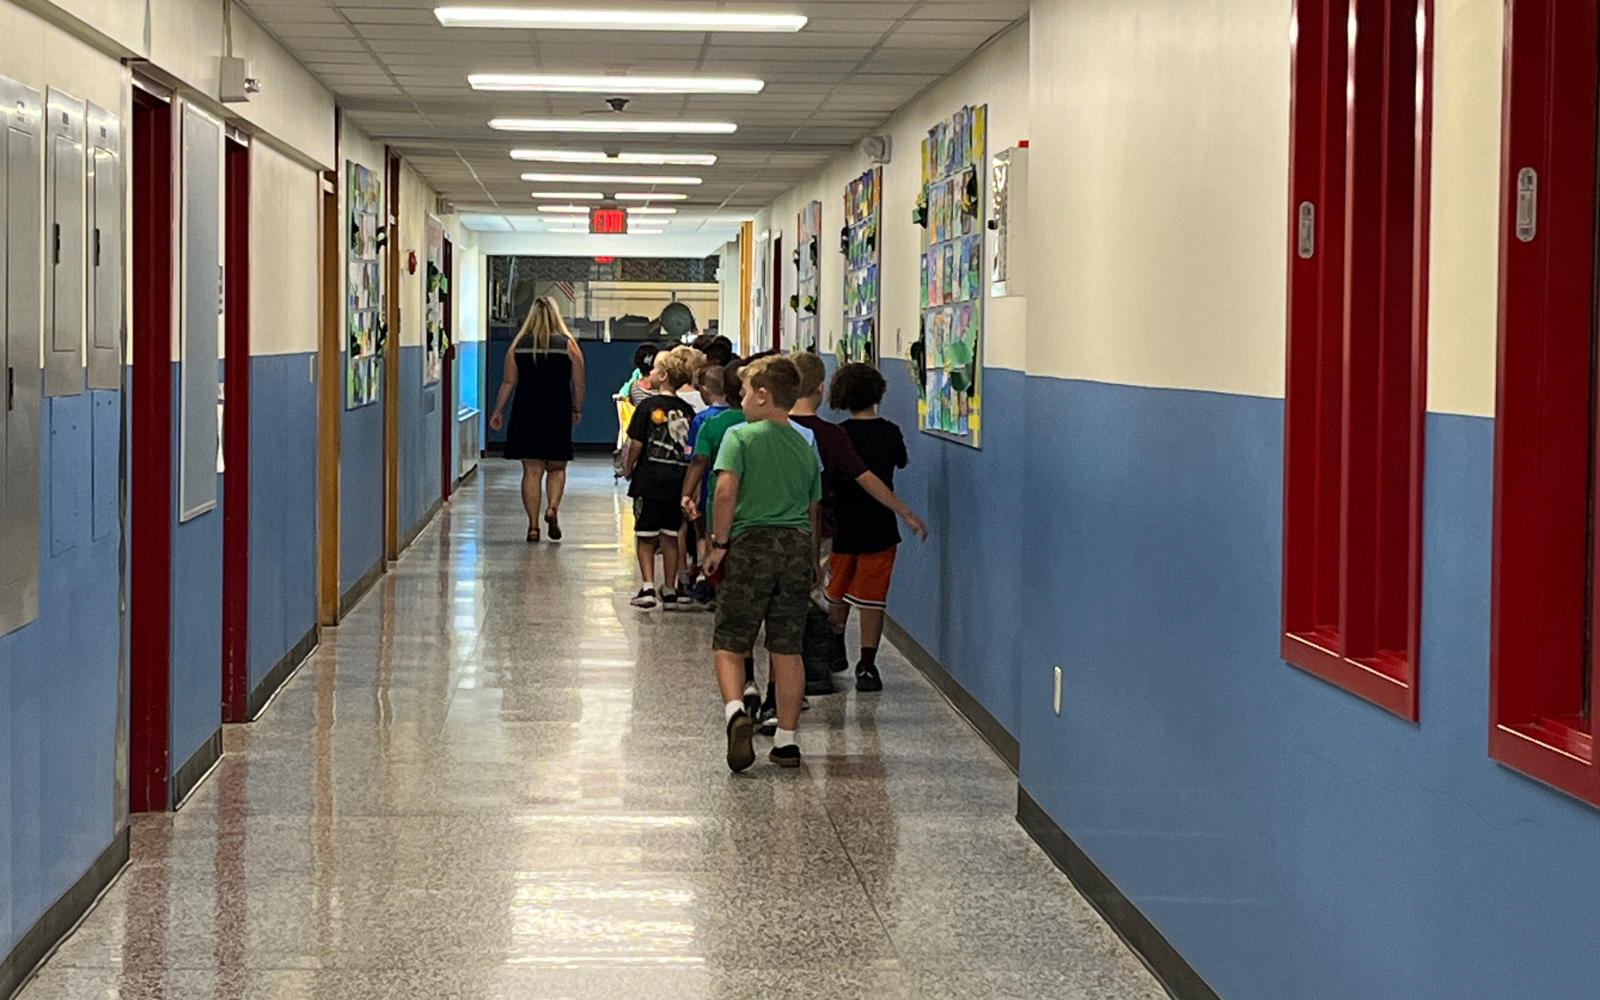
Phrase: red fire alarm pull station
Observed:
(608, 221)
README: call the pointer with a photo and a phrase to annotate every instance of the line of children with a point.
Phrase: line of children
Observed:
(655, 463)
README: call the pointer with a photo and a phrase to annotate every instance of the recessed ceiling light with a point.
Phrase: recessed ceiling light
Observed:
(613, 124)
(570, 196)
(564, 209)
(596, 178)
(651, 196)
(566, 84)
(615, 20)
(633, 159)
(652, 211)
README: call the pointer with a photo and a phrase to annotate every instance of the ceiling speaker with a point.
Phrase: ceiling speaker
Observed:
(878, 148)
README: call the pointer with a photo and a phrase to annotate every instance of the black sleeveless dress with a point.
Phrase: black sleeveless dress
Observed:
(541, 412)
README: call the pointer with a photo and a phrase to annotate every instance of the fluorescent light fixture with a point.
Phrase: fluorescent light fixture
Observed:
(646, 232)
(626, 159)
(570, 229)
(651, 196)
(611, 124)
(615, 20)
(600, 178)
(563, 209)
(652, 211)
(570, 195)
(568, 84)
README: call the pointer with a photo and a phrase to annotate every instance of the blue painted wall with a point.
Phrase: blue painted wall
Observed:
(360, 490)
(59, 674)
(421, 413)
(283, 507)
(196, 643)
(1290, 839)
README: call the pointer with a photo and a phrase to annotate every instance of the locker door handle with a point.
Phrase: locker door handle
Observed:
(11, 388)
(97, 247)
(58, 242)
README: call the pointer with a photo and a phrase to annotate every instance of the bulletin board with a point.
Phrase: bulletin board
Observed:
(948, 355)
(364, 289)
(435, 332)
(863, 208)
(808, 296)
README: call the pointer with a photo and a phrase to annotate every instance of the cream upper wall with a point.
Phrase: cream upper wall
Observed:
(40, 54)
(284, 249)
(1158, 189)
(416, 202)
(1464, 245)
(998, 77)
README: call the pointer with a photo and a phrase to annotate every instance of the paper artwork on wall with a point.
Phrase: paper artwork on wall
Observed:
(808, 295)
(863, 209)
(948, 355)
(436, 332)
(364, 290)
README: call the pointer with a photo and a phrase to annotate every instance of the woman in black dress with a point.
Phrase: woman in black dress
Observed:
(545, 369)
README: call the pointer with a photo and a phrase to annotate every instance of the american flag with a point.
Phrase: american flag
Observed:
(568, 290)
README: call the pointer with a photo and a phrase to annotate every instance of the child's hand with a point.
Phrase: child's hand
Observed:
(691, 510)
(497, 421)
(917, 527)
(713, 564)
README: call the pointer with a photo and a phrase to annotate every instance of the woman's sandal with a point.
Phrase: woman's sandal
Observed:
(553, 524)
(533, 534)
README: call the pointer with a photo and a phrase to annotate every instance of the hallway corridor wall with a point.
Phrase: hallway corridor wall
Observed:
(361, 429)
(421, 405)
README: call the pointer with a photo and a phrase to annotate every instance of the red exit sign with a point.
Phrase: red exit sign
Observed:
(608, 220)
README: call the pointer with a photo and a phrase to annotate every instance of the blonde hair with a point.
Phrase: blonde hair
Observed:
(543, 323)
(776, 374)
(813, 372)
(679, 365)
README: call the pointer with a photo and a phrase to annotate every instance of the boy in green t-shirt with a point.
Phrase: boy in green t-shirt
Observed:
(764, 537)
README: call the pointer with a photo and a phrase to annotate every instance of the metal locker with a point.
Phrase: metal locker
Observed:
(63, 224)
(21, 254)
(104, 249)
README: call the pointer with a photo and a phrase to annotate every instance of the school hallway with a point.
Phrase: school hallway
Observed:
(496, 779)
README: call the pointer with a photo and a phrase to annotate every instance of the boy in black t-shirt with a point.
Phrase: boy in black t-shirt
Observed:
(657, 458)
(865, 533)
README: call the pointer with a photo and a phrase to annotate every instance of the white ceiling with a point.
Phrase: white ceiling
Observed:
(402, 78)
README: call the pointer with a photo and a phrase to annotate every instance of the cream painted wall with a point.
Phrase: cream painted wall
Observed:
(42, 55)
(284, 249)
(416, 203)
(1464, 245)
(998, 77)
(1159, 180)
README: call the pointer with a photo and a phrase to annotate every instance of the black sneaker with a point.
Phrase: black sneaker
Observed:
(740, 753)
(768, 716)
(752, 700)
(867, 678)
(788, 756)
(670, 601)
(645, 600)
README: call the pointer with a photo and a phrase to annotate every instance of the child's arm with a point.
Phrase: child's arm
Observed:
(881, 493)
(631, 459)
(727, 499)
(691, 485)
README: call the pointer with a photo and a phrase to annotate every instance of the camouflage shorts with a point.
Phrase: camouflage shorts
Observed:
(767, 578)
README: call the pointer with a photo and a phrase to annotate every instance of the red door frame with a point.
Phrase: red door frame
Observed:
(447, 396)
(150, 465)
(236, 440)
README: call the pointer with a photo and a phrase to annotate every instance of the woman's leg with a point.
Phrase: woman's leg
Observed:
(532, 475)
(555, 484)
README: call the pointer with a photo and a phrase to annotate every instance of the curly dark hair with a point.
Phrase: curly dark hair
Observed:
(856, 387)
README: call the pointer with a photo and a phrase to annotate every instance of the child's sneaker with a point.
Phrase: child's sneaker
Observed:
(867, 678)
(701, 593)
(767, 718)
(752, 700)
(788, 756)
(670, 601)
(645, 600)
(740, 753)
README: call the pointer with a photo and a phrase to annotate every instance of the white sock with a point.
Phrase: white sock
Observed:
(783, 738)
(731, 709)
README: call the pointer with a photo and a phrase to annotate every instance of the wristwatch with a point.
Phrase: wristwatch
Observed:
(719, 544)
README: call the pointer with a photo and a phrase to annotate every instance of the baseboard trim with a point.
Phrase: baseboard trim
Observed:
(1157, 953)
(39, 941)
(281, 672)
(194, 770)
(978, 717)
(358, 590)
(422, 523)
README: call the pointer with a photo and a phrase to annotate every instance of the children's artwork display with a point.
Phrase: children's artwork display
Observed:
(808, 294)
(948, 354)
(364, 288)
(436, 332)
(863, 208)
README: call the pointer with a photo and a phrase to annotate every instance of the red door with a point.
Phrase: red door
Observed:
(236, 440)
(447, 394)
(150, 459)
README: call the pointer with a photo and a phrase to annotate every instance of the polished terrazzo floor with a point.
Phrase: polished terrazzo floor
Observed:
(497, 780)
